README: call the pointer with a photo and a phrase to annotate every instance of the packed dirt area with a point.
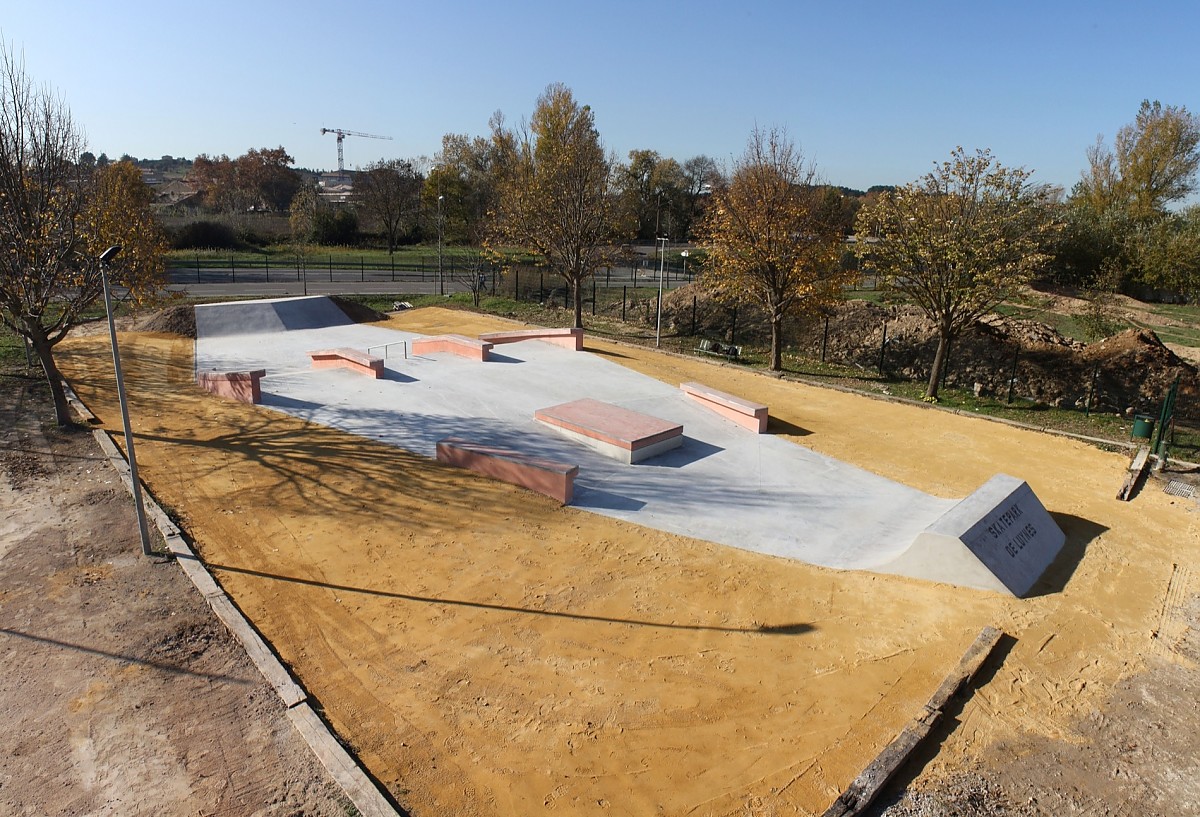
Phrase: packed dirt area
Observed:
(120, 693)
(487, 652)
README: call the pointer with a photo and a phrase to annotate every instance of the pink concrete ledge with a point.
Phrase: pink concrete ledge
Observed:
(348, 359)
(241, 386)
(460, 345)
(554, 479)
(616, 432)
(746, 414)
(568, 338)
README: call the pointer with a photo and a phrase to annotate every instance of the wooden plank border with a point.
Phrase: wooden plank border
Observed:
(866, 787)
(368, 798)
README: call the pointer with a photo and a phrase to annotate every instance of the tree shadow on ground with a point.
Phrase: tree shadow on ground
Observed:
(124, 658)
(798, 628)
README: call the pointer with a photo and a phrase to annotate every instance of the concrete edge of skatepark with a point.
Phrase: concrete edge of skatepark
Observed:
(367, 797)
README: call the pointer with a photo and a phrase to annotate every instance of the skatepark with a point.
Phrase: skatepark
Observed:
(723, 484)
(642, 649)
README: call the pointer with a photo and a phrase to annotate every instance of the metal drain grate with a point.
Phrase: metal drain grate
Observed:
(1177, 488)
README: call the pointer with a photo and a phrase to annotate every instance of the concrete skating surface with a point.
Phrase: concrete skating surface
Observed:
(725, 484)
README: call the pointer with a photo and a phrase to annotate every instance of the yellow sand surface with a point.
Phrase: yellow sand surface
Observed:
(487, 652)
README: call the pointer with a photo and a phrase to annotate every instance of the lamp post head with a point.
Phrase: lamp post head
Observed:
(110, 253)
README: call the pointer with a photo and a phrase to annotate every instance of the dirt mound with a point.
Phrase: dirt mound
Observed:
(359, 313)
(174, 320)
(1127, 372)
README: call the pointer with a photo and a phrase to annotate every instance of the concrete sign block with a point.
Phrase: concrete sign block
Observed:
(999, 538)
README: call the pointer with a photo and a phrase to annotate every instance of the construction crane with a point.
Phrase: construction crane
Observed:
(342, 134)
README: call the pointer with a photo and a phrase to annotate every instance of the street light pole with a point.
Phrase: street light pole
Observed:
(105, 257)
(662, 263)
(441, 285)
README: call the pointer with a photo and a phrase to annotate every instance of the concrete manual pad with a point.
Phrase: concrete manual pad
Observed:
(626, 436)
(724, 484)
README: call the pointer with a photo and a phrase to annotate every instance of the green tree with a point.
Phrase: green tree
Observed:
(654, 194)
(55, 219)
(336, 226)
(1166, 252)
(1124, 194)
(464, 177)
(389, 194)
(958, 241)
(701, 175)
(1157, 157)
(554, 190)
(770, 240)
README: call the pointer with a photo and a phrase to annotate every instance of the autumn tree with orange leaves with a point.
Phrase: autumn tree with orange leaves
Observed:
(771, 242)
(56, 217)
(554, 191)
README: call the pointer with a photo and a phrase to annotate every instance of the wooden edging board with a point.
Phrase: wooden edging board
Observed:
(866, 787)
(1136, 469)
(344, 769)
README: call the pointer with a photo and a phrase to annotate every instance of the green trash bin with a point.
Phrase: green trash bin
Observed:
(1143, 427)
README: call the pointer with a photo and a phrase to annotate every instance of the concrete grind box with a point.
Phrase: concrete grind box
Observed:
(999, 538)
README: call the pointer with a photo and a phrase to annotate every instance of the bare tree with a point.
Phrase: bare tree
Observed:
(55, 219)
(389, 193)
(473, 273)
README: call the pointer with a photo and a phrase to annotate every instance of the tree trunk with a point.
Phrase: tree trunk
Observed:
(45, 353)
(777, 343)
(577, 296)
(939, 359)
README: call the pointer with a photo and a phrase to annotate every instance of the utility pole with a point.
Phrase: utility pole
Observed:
(105, 257)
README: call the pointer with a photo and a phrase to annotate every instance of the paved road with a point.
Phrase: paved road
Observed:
(279, 283)
(283, 289)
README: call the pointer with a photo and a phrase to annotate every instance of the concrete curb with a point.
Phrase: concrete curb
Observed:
(362, 791)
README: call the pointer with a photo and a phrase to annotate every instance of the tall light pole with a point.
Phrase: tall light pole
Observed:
(662, 263)
(441, 285)
(105, 257)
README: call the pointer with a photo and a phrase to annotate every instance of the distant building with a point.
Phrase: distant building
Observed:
(176, 194)
(336, 186)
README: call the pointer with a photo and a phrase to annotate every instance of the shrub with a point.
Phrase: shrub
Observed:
(202, 235)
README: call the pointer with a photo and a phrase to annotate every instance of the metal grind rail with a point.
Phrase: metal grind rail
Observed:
(385, 346)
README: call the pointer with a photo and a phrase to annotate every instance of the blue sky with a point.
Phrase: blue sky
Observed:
(872, 92)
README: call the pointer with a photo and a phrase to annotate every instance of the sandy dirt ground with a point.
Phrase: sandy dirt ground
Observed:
(120, 693)
(487, 652)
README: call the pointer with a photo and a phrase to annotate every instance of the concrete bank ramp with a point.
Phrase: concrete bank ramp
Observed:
(268, 316)
(999, 538)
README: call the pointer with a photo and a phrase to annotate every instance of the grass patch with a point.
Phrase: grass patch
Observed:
(12, 348)
(1067, 325)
